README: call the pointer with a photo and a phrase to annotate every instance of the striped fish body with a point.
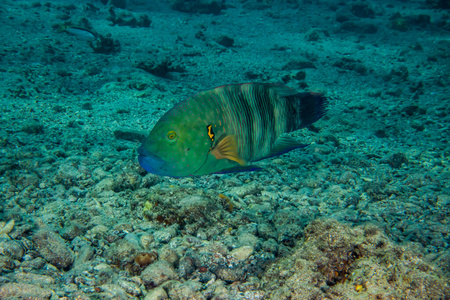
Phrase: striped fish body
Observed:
(223, 129)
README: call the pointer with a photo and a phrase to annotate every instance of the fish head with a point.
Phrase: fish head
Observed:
(175, 147)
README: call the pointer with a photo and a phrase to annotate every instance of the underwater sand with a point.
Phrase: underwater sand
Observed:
(362, 213)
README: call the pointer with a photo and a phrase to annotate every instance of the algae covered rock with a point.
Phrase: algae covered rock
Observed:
(335, 260)
(53, 249)
(157, 273)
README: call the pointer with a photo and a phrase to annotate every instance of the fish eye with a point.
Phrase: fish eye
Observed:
(172, 135)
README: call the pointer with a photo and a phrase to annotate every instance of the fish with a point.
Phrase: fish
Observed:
(225, 129)
(80, 32)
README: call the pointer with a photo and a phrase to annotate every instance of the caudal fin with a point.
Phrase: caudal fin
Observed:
(308, 108)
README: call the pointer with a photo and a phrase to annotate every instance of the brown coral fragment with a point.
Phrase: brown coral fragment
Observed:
(146, 258)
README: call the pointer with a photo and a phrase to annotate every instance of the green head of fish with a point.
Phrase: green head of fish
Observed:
(178, 145)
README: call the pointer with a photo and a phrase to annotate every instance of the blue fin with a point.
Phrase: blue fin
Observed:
(248, 168)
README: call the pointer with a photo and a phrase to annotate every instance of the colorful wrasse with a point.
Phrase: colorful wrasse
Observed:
(223, 129)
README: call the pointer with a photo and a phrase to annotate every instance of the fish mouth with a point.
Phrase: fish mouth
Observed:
(150, 162)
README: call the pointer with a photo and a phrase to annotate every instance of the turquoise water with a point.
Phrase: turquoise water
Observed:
(361, 213)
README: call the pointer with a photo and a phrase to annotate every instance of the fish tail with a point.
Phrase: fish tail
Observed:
(306, 109)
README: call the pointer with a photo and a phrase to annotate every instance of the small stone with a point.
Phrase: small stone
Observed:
(156, 294)
(248, 239)
(6, 263)
(443, 200)
(166, 234)
(123, 252)
(242, 253)
(53, 249)
(130, 287)
(185, 290)
(67, 175)
(7, 228)
(168, 255)
(24, 291)
(146, 241)
(12, 249)
(98, 230)
(248, 189)
(34, 278)
(229, 274)
(346, 177)
(186, 266)
(103, 268)
(35, 264)
(157, 273)
(270, 246)
(322, 149)
(107, 184)
(84, 254)
(266, 231)
(72, 231)
(112, 291)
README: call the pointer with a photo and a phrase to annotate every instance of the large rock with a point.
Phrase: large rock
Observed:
(53, 248)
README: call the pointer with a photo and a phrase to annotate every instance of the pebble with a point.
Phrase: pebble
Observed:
(186, 290)
(104, 185)
(157, 273)
(84, 254)
(166, 234)
(12, 249)
(229, 274)
(130, 287)
(6, 263)
(34, 278)
(112, 291)
(6, 228)
(146, 240)
(124, 251)
(242, 253)
(168, 255)
(248, 239)
(186, 266)
(266, 231)
(157, 294)
(443, 200)
(24, 291)
(244, 190)
(53, 249)
(67, 174)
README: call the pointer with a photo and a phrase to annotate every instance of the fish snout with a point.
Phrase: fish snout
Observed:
(150, 162)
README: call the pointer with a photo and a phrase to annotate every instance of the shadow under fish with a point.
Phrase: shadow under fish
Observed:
(224, 129)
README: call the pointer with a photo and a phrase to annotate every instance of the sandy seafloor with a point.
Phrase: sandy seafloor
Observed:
(362, 213)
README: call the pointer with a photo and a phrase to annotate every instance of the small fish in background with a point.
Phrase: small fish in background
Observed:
(80, 32)
(223, 129)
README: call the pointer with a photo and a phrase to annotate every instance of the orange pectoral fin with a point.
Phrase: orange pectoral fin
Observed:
(227, 149)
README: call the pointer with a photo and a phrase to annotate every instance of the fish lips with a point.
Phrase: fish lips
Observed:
(150, 162)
